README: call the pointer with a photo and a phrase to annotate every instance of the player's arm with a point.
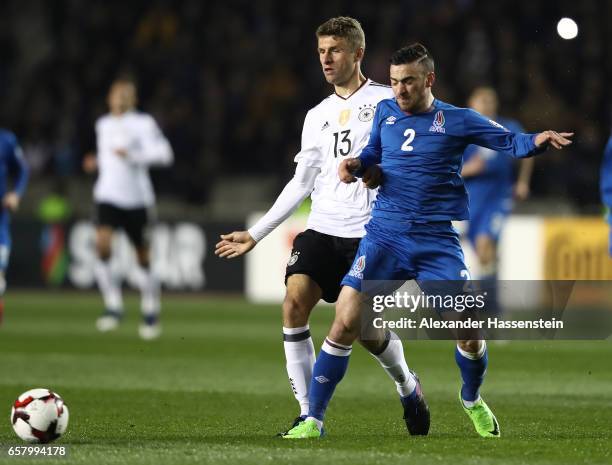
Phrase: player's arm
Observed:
(154, 147)
(365, 165)
(297, 189)
(605, 183)
(309, 162)
(19, 167)
(523, 181)
(487, 133)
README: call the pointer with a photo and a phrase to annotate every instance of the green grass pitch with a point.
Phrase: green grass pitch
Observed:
(213, 389)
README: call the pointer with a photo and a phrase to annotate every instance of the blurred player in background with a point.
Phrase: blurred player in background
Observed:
(418, 142)
(12, 164)
(336, 129)
(489, 181)
(128, 143)
(605, 183)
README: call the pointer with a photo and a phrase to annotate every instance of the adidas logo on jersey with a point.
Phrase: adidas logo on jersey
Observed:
(325, 126)
(390, 120)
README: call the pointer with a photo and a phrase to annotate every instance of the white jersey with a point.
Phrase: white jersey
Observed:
(124, 181)
(333, 130)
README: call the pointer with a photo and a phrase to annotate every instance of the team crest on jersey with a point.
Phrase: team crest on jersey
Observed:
(345, 116)
(366, 113)
(438, 123)
(390, 120)
(358, 267)
(294, 258)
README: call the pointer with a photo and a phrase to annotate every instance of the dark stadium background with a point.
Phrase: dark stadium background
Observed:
(230, 83)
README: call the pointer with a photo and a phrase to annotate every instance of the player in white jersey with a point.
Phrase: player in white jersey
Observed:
(337, 128)
(128, 143)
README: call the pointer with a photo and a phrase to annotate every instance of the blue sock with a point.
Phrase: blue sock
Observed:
(328, 371)
(472, 373)
(489, 283)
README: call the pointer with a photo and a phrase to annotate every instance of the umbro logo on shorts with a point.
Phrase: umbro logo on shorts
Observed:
(322, 379)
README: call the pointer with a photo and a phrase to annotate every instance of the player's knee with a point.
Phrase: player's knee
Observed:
(103, 247)
(470, 346)
(143, 258)
(295, 312)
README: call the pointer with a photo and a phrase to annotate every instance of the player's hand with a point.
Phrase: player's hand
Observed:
(90, 163)
(234, 244)
(11, 201)
(346, 169)
(557, 139)
(372, 177)
(123, 153)
(521, 191)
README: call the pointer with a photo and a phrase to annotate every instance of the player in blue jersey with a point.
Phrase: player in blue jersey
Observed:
(418, 143)
(489, 181)
(605, 183)
(12, 164)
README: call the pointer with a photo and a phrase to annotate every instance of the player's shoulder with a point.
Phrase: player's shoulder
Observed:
(7, 136)
(378, 91)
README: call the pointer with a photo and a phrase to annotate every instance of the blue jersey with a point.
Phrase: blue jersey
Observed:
(421, 156)
(495, 182)
(605, 179)
(12, 163)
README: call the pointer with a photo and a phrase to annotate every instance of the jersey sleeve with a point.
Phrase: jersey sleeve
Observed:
(605, 181)
(310, 153)
(153, 148)
(488, 133)
(371, 154)
(294, 193)
(18, 166)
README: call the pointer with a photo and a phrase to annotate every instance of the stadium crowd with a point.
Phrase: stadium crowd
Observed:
(230, 82)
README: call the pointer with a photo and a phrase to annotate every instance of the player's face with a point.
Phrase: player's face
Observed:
(411, 85)
(338, 60)
(484, 101)
(121, 97)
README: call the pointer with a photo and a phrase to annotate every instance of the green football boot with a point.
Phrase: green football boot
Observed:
(484, 421)
(306, 429)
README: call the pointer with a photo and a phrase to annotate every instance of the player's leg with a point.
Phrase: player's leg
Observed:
(302, 295)
(136, 226)
(333, 358)
(442, 267)
(108, 283)
(5, 251)
(385, 346)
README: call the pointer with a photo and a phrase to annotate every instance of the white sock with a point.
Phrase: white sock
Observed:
(109, 286)
(148, 283)
(393, 362)
(317, 421)
(300, 355)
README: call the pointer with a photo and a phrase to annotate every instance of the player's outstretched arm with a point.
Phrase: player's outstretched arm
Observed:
(557, 139)
(301, 185)
(234, 244)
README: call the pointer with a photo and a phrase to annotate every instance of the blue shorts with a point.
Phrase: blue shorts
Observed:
(5, 239)
(421, 251)
(487, 219)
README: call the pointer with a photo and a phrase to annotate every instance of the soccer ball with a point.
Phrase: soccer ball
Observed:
(39, 415)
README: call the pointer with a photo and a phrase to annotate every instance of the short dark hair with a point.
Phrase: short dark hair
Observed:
(345, 27)
(411, 53)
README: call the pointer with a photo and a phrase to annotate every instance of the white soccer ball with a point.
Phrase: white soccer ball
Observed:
(39, 415)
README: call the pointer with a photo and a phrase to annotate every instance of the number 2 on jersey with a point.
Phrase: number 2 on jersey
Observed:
(409, 133)
(342, 146)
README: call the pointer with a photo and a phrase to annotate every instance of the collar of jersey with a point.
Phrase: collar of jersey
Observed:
(356, 90)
